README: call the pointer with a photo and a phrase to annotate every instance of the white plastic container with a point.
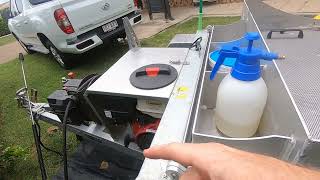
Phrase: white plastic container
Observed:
(153, 108)
(242, 94)
(240, 105)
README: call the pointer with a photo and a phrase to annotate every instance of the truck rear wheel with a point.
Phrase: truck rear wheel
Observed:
(62, 59)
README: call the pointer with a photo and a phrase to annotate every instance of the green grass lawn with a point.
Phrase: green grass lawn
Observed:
(6, 40)
(189, 27)
(45, 75)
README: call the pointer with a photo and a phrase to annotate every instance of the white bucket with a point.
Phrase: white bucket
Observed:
(153, 108)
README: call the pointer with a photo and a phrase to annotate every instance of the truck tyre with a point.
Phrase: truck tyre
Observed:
(61, 58)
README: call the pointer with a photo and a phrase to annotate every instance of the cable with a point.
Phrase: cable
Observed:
(41, 143)
(196, 44)
(87, 83)
(64, 134)
(93, 80)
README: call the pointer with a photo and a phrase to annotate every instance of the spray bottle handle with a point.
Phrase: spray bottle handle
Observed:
(223, 55)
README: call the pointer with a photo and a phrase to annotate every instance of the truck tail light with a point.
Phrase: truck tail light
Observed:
(63, 21)
(136, 3)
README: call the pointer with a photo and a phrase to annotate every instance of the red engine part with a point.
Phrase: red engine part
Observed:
(139, 129)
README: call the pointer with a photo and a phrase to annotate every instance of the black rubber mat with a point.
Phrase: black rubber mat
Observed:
(92, 161)
(166, 75)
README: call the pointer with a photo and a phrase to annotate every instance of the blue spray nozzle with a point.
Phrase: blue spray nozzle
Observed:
(269, 56)
(247, 66)
(251, 36)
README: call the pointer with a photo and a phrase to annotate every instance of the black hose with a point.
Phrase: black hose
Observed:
(41, 143)
(64, 134)
(87, 83)
(64, 123)
(39, 152)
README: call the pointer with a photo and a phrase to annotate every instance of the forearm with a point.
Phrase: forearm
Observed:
(305, 174)
(283, 170)
(244, 165)
(220, 162)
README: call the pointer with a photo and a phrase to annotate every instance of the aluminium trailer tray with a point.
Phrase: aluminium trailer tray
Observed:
(290, 126)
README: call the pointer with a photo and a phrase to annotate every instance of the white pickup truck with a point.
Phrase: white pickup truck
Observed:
(66, 27)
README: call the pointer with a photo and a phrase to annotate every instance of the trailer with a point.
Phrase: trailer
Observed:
(126, 112)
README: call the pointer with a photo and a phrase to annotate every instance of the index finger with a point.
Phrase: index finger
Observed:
(182, 153)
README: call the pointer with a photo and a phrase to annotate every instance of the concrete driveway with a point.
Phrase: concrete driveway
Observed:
(10, 51)
(296, 6)
(148, 28)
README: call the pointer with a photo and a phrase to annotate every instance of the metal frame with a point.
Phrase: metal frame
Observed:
(41, 111)
(179, 121)
(176, 119)
(133, 40)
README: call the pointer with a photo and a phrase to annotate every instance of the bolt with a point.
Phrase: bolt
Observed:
(164, 176)
(174, 175)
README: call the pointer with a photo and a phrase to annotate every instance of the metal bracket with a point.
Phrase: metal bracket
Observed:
(174, 170)
(34, 95)
(132, 38)
(21, 97)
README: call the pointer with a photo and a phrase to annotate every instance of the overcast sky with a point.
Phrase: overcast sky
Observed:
(3, 1)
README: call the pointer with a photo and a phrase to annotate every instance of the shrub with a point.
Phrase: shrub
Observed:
(5, 14)
(4, 30)
(11, 155)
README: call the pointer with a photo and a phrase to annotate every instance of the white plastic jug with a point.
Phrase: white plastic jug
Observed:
(240, 105)
(242, 94)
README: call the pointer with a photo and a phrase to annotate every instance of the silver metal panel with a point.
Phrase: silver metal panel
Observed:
(229, 32)
(175, 119)
(116, 80)
(281, 133)
(300, 71)
(269, 18)
(132, 38)
(310, 154)
(273, 75)
(297, 81)
(275, 146)
(274, 136)
(277, 85)
(182, 40)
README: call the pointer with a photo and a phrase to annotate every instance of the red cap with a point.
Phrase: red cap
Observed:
(71, 75)
(153, 71)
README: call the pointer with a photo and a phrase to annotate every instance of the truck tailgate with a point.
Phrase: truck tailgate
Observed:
(88, 14)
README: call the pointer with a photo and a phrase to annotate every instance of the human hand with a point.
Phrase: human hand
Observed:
(214, 161)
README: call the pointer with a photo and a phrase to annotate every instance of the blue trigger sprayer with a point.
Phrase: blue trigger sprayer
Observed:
(242, 94)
